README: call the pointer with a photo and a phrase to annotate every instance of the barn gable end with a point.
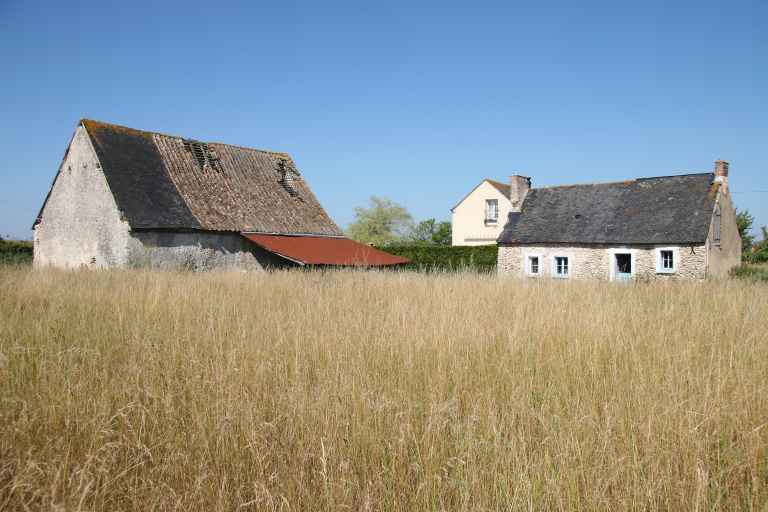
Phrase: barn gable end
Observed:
(79, 224)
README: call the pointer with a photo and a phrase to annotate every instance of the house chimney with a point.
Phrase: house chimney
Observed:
(721, 174)
(518, 188)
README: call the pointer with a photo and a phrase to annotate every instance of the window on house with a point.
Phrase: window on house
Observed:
(561, 266)
(624, 263)
(666, 260)
(533, 265)
(491, 211)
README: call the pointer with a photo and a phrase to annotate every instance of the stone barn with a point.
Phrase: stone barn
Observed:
(130, 198)
(668, 227)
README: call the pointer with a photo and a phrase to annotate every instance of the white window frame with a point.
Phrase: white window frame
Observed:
(675, 260)
(488, 221)
(612, 261)
(554, 266)
(527, 264)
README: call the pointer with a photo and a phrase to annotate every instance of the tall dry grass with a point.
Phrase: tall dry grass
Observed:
(133, 390)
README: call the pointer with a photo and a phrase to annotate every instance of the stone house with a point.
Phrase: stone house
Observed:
(125, 197)
(667, 227)
(479, 217)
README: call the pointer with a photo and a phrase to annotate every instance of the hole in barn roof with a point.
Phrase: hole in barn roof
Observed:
(287, 177)
(204, 156)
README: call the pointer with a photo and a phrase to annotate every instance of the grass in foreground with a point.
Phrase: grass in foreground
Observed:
(366, 391)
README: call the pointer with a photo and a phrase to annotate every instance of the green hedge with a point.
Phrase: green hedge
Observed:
(759, 255)
(15, 252)
(443, 258)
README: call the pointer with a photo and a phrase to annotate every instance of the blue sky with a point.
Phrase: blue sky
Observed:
(416, 103)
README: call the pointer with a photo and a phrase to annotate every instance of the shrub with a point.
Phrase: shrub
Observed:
(15, 252)
(431, 258)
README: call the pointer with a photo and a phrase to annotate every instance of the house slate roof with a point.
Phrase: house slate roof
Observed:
(662, 210)
(158, 184)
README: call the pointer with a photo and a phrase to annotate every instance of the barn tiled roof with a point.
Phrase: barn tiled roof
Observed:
(663, 210)
(158, 183)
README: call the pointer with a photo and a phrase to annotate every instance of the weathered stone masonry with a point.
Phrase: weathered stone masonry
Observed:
(81, 225)
(595, 262)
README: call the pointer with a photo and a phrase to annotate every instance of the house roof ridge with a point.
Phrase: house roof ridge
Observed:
(621, 182)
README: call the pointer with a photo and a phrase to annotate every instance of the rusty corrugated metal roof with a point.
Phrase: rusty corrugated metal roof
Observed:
(323, 250)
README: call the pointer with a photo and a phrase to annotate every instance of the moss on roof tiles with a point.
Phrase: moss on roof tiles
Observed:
(159, 185)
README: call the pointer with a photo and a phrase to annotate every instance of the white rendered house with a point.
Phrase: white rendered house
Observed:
(479, 217)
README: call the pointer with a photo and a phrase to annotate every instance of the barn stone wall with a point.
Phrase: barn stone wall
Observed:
(727, 254)
(81, 226)
(198, 251)
(595, 262)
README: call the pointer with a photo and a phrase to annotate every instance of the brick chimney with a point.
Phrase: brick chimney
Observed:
(721, 174)
(518, 188)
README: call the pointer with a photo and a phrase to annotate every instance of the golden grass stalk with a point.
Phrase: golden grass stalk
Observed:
(138, 390)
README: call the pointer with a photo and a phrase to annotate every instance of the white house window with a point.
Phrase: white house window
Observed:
(561, 266)
(491, 211)
(533, 265)
(666, 260)
(622, 264)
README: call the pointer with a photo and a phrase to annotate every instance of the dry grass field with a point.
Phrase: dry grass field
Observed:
(134, 390)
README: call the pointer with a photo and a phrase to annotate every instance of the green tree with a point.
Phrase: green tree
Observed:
(382, 223)
(744, 221)
(431, 232)
(759, 252)
(442, 235)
